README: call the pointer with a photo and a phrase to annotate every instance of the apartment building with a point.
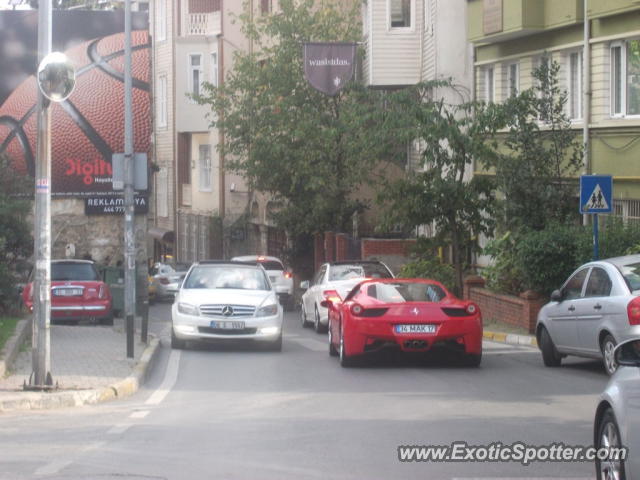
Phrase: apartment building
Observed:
(412, 41)
(510, 37)
(197, 201)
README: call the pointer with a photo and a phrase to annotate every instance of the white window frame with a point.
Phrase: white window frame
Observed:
(162, 197)
(489, 75)
(513, 92)
(191, 69)
(161, 20)
(161, 101)
(213, 58)
(427, 17)
(570, 93)
(205, 167)
(622, 83)
(412, 18)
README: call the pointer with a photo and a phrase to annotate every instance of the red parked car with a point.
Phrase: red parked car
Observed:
(412, 315)
(77, 293)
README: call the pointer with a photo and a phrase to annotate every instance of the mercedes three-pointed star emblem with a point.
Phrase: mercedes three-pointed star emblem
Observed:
(227, 311)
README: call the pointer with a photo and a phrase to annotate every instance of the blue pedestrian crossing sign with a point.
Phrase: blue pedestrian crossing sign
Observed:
(596, 193)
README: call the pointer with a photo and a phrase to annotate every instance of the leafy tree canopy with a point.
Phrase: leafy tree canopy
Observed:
(308, 150)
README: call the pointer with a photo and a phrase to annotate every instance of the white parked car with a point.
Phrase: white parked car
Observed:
(617, 418)
(596, 308)
(281, 278)
(222, 300)
(335, 278)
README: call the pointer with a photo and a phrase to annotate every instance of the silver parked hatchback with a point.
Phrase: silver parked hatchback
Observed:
(597, 308)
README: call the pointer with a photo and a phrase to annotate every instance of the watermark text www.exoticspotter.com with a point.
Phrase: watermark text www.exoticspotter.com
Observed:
(515, 452)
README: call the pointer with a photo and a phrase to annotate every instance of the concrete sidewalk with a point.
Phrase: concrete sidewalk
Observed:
(88, 363)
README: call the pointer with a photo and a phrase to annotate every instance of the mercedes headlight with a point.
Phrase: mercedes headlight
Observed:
(187, 309)
(267, 311)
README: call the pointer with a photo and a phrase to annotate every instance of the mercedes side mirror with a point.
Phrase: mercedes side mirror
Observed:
(628, 353)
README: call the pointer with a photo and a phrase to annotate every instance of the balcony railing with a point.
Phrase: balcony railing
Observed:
(201, 19)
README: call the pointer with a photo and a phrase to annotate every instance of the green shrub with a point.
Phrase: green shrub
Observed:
(618, 238)
(432, 268)
(547, 257)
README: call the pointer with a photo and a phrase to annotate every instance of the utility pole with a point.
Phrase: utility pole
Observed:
(41, 355)
(129, 226)
(56, 79)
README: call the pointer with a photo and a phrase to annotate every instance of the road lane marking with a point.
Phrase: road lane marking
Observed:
(119, 429)
(139, 414)
(53, 467)
(170, 378)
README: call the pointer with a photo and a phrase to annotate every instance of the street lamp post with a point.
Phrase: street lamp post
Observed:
(56, 79)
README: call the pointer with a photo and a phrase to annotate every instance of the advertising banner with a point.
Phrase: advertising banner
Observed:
(328, 67)
(88, 127)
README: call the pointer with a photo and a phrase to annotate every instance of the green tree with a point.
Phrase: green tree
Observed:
(16, 243)
(540, 157)
(444, 192)
(310, 151)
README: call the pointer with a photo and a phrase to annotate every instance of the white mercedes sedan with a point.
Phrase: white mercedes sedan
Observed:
(221, 300)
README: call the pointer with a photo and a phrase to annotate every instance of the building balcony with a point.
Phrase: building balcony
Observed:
(201, 18)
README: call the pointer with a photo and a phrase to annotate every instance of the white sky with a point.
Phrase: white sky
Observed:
(5, 5)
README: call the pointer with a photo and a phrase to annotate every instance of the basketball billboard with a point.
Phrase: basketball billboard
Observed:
(88, 127)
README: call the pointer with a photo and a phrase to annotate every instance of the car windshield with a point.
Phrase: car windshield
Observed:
(73, 271)
(362, 270)
(226, 276)
(401, 292)
(631, 274)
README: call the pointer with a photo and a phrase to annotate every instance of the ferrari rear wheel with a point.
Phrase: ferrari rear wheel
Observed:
(345, 360)
(473, 359)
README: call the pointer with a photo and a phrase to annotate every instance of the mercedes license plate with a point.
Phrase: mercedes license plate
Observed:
(67, 292)
(415, 329)
(222, 325)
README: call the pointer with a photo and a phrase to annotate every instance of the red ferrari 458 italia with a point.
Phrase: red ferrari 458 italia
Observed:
(413, 315)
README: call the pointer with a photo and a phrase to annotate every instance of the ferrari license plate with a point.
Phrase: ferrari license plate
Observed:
(228, 325)
(415, 329)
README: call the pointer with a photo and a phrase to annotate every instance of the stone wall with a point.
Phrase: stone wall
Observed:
(98, 236)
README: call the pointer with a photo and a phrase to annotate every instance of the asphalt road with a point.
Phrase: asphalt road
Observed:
(238, 413)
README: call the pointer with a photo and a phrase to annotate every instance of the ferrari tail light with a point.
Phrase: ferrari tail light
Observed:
(471, 309)
(356, 309)
(633, 311)
(332, 296)
(164, 280)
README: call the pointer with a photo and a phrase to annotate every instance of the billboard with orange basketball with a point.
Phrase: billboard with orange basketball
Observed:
(87, 128)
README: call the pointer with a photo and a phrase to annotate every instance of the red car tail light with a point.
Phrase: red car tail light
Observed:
(356, 309)
(104, 292)
(633, 311)
(332, 296)
(472, 309)
(164, 280)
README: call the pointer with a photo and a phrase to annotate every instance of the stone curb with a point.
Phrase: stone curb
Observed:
(12, 347)
(511, 338)
(75, 398)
